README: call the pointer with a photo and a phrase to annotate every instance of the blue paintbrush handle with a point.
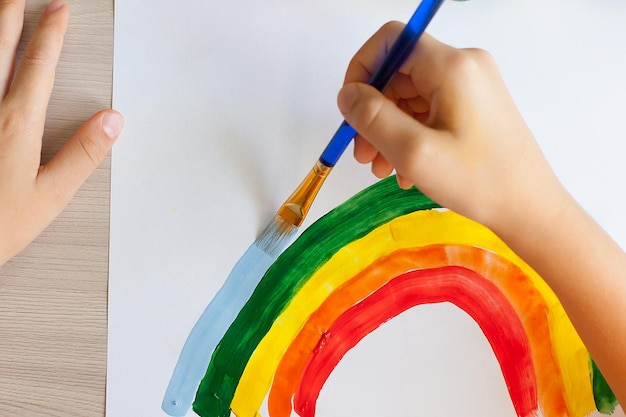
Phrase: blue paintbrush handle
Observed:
(399, 52)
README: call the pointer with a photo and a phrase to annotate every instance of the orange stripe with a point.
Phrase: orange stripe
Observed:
(515, 285)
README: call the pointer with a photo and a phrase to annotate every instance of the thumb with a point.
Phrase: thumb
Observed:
(80, 156)
(380, 122)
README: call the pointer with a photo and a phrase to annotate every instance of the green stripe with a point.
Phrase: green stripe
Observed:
(371, 208)
(605, 399)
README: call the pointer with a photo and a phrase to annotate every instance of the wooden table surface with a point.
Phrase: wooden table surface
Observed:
(53, 296)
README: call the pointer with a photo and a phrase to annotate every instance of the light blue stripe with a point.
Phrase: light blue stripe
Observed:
(211, 327)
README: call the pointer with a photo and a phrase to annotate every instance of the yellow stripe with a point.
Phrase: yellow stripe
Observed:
(573, 359)
(416, 229)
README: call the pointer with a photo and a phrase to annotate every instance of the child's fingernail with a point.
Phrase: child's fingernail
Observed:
(347, 96)
(112, 124)
(55, 5)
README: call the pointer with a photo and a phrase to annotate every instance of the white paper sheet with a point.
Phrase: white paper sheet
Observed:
(229, 103)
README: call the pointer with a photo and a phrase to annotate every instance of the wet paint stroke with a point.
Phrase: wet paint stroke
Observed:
(517, 288)
(434, 227)
(209, 329)
(464, 288)
(244, 278)
(333, 231)
(384, 223)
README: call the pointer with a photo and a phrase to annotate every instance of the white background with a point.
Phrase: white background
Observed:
(228, 104)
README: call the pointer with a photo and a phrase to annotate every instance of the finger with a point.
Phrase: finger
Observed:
(418, 105)
(60, 178)
(430, 65)
(403, 141)
(381, 167)
(364, 152)
(11, 22)
(369, 57)
(403, 182)
(35, 76)
(425, 65)
(379, 121)
(403, 86)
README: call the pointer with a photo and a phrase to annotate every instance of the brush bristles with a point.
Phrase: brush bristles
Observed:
(276, 236)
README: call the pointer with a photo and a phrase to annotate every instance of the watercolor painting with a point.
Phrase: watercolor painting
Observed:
(335, 285)
(225, 113)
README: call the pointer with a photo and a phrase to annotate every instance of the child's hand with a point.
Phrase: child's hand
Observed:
(447, 124)
(31, 195)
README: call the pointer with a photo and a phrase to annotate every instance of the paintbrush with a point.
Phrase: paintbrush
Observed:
(248, 271)
(291, 214)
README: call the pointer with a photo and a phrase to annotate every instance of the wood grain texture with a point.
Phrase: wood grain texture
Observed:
(53, 296)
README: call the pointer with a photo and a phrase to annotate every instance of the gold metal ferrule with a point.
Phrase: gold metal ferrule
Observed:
(295, 209)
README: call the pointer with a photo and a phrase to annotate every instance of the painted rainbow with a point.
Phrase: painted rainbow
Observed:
(332, 287)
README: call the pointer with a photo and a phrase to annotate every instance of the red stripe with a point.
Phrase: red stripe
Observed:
(478, 297)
